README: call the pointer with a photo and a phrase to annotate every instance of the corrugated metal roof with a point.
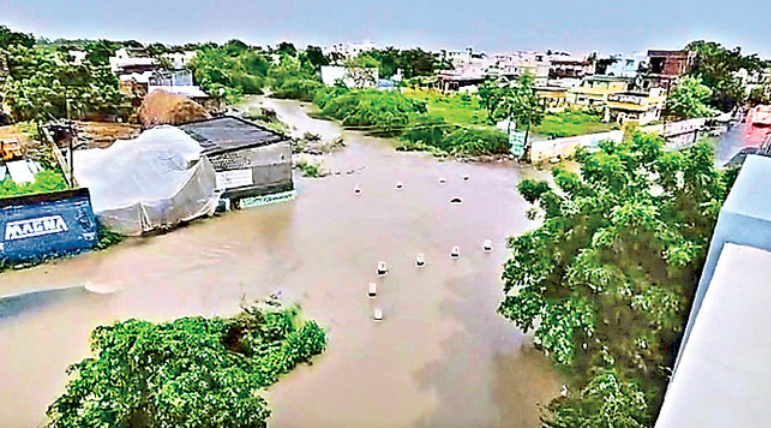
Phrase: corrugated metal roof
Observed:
(228, 133)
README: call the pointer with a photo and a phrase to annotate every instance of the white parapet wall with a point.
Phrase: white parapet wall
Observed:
(679, 134)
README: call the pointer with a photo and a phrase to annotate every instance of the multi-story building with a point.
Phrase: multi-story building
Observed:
(595, 90)
(665, 67)
(641, 106)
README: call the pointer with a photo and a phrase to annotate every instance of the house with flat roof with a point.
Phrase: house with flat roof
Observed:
(641, 106)
(249, 159)
(595, 90)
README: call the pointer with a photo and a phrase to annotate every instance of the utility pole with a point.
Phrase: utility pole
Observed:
(72, 137)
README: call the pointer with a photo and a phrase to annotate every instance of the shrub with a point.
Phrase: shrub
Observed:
(296, 88)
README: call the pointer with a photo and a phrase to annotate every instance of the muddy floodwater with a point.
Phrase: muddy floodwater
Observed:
(442, 356)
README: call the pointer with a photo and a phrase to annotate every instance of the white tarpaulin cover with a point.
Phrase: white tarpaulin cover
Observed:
(154, 181)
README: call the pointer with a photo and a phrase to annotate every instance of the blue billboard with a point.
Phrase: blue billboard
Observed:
(49, 225)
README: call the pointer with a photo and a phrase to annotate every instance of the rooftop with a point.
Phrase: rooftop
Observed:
(747, 197)
(228, 133)
(721, 380)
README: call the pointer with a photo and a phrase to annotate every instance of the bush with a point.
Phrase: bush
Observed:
(190, 372)
(309, 169)
(477, 141)
(429, 130)
(383, 113)
(45, 182)
(296, 88)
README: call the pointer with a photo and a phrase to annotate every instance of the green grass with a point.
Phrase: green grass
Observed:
(45, 182)
(463, 109)
(570, 123)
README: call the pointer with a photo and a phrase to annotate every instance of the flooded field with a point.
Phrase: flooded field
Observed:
(441, 357)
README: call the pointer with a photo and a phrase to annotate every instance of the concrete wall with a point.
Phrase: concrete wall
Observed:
(679, 134)
(255, 171)
(52, 224)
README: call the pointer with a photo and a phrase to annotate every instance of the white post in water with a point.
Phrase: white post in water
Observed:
(382, 269)
(420, 260)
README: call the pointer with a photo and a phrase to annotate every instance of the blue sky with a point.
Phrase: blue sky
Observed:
(573, 25)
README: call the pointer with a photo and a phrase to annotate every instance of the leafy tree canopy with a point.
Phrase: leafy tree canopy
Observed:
(717, 65)
(689, 99)
(192, 372)
(43, 85)
(606, 281)
(9, 37)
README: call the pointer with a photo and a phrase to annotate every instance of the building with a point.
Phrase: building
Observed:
(128, 61)
(570, 68)
(721, 375)
(77, 56)
(552, 98)
(625, 66)
(664, 67)
(595, 90)
(639, 106)
(349, 50)
(249, 160)
(179, 60)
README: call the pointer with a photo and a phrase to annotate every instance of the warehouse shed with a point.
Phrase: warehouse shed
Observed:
(249, 159)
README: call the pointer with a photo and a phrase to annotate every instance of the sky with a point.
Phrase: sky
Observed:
(578, 26)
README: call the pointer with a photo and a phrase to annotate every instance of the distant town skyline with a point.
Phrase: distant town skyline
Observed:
(490, 26)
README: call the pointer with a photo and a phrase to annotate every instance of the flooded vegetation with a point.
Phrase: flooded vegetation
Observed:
(441, 357)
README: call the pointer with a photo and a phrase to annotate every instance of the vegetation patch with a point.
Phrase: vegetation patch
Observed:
(45, 182)
(606, 282)
(191, 372)
(310, 169)
(572, 122)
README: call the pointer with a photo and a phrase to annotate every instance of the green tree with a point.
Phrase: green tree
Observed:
(717, 65)
(286, 49)
(606, 281)
(688, 99)
(43, 86)
(605, 402)
(315, 58)
(517, 99)
(100, 51)
(191, 372)
(9, 37)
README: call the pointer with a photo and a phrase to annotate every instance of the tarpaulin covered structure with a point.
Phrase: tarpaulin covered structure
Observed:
(155, 181)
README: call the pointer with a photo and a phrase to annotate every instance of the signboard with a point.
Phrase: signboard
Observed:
(234, 178)
(517, 141)
(33, 227)
(258, 201)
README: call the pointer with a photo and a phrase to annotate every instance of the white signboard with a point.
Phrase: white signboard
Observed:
(517, 141)
(234, 178)
(258, 201)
